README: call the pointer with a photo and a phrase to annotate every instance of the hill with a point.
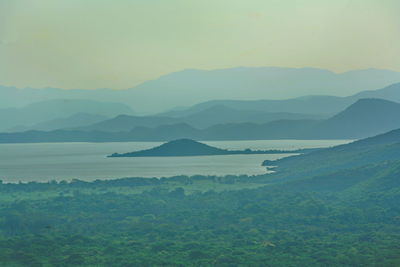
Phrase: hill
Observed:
(365, 118)
(369, 151)
(391, 92)
(188, 147)
(181, 147)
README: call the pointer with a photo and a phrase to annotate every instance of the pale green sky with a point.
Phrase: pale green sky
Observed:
(120, 43)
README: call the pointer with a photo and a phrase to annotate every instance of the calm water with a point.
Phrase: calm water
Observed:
(87, 161)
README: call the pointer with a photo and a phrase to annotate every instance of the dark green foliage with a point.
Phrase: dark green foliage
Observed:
(354, 225)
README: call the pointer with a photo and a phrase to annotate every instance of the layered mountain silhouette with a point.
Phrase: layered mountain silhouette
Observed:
(364, 118)
(189, 87)
(203, 119)
(313, 104)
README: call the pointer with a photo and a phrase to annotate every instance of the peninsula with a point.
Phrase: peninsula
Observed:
(189, 147)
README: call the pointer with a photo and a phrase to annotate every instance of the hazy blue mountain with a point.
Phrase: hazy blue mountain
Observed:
(21, 97)
(76, 120)
(322, 105)
(189, 87)
(281, 129)
(58, 108)
(391, 92)
(234, 131)
(221, 114)
(366, 117)
(202, 119)
(192, 86)
(166, 132)
(127, 123)
(313, 104)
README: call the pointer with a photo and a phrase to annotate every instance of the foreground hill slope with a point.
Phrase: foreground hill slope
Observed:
(377, 149)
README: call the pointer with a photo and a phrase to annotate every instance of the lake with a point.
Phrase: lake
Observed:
(88, 161)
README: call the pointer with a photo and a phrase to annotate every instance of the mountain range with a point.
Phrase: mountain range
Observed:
(189, 87)
(203, 119)
(362, 119)
(323, 105)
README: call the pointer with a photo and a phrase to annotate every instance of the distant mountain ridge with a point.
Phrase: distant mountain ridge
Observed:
(312, 104)
(189, 87)
(73, 121)
(56, 109)
(365, 118)
(212, 116)
(128, 123)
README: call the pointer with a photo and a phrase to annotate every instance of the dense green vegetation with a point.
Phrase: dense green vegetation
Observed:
(150, 222)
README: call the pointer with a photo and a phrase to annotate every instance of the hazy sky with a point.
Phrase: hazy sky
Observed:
(120, 43)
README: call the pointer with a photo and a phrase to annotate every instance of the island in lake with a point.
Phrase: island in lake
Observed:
(189, 147)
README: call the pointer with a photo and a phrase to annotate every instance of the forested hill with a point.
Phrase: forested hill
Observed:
(374, 150)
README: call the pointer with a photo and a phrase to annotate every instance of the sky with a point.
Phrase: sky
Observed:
(121, 43)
